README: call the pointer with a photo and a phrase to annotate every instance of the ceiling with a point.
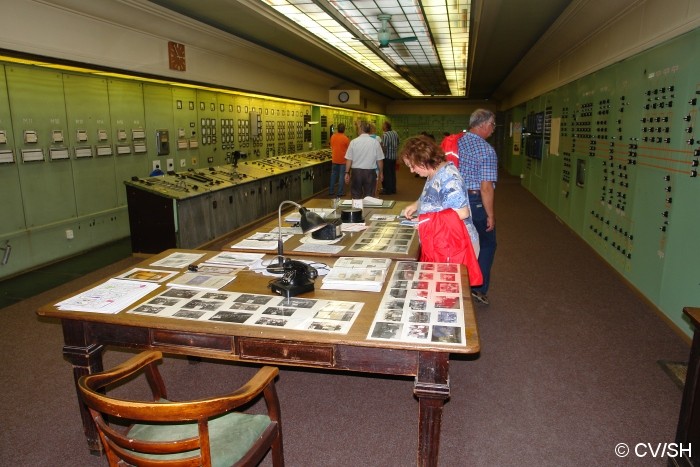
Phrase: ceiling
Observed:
(501, 34)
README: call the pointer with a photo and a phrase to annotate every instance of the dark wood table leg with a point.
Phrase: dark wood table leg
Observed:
(432, 388)
(86, 358)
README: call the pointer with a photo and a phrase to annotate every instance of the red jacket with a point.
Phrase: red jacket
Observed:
(444, 239)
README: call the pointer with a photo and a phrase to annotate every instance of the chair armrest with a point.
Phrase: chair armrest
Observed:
(121, 371)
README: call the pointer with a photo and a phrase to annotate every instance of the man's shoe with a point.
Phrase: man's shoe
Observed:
(479, 297)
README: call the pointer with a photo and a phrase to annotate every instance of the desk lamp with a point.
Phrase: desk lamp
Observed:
(310, 222)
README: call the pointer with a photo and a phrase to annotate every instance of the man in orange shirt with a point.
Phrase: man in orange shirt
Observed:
(339, 146)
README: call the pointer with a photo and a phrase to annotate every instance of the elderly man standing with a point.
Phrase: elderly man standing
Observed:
(363, 157)
(478, 165)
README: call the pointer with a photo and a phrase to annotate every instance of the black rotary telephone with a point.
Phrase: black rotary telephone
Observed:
(296, 279)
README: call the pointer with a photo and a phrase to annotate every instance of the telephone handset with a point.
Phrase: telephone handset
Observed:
(297, 273)
(296, 279)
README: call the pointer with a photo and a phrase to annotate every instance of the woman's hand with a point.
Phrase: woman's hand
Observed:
(462, 212)
(410, 210)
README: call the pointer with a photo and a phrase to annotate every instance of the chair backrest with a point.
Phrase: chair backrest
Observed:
(149, 433)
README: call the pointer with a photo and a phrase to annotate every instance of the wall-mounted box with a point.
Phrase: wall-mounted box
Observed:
(57, 136)
(123, 149)
(138, 134)
(6, 156)
(81, 136)
(104, 150)
(102, 135)
(83, 152)
(59, 154)
(121, 135)
(32, 155)
(163, 142)
(3, 137)
(139, 148)
(30, 137)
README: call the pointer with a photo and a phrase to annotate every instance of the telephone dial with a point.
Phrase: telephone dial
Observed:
(296, 279)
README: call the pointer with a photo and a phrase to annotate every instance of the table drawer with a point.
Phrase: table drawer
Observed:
(189, 340)
(280, 351)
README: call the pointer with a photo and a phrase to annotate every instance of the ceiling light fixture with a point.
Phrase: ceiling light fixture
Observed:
(437, 60)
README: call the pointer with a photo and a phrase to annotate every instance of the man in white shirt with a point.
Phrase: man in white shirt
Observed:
(362, 159)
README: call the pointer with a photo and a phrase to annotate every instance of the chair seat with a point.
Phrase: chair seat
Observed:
(230, 435)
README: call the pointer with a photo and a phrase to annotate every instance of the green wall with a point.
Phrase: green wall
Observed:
(69, 140)
(622, 175)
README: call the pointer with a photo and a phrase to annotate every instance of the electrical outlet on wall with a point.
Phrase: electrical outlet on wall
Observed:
(155, 164)
(183, 163)
(171, 164)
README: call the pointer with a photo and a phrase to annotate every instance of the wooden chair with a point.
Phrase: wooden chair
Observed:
(202, 432)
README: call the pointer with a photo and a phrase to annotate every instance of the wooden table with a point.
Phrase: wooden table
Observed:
(349, 238)
(87, 334)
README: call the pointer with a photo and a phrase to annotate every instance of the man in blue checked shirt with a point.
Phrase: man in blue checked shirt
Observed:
(478, 165)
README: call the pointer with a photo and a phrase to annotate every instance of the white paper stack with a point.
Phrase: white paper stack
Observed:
(350, 273)
(201, 281)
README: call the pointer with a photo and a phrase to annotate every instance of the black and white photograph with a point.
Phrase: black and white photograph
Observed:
(205, 305)
(180, 293)
(417, 304)
(398, 293)
(265, 321)
(215, 296)
(321, 326)
(394, 304)
(299, 302)
(230, 317)
(419, 317)
(255, 299)
(160, 300)
(335, 315)
(279, 311)
(392, 315)
(244, 306)
(188, 314)
(387, 330)
(417, 331)
(148, 309)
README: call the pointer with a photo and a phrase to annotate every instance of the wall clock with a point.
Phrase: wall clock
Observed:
(343, 96)
(176, 56)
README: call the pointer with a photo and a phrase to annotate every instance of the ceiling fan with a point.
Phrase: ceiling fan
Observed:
(384, 35)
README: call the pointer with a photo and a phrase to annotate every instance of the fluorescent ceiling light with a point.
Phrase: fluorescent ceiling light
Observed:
(436, 60)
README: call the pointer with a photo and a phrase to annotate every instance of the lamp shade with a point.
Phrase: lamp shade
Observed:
(310, 222)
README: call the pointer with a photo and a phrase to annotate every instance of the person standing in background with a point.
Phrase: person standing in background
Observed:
(364, 163)
(390, 145)
(478, 165)
(373, 134)
(339, 145)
